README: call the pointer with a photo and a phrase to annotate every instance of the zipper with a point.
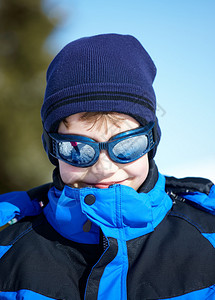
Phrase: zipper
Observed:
(104, 242)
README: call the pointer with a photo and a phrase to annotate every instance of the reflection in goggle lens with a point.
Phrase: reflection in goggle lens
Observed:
(131, 147)
(76, 152)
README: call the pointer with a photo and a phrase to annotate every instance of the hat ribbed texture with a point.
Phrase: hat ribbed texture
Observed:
(109, 72)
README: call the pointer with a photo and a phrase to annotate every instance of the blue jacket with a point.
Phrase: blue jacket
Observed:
(156, 245)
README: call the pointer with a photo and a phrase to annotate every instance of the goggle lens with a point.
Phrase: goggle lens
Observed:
(131, 149)
(76, 152)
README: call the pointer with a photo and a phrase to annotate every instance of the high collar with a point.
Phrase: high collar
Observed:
(151, 178)
(115, 210)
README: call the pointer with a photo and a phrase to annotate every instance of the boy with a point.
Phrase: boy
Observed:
(111, 226)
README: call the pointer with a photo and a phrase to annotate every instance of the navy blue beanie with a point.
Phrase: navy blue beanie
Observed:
(107, 72)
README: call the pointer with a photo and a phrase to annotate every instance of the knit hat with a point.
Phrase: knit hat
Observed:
(108, 72)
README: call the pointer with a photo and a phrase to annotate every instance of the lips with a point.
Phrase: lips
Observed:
(102, 185)
(105, 185)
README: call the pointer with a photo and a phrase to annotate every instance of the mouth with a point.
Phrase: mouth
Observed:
(105, 185)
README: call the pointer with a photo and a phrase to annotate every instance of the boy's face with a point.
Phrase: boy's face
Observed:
(104, 172)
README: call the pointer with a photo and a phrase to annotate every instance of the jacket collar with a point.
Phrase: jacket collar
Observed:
(115, 210)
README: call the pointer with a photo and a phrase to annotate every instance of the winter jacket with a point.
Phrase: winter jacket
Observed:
(112, 243)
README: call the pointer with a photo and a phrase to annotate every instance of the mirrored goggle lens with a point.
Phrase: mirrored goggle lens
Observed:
(131, 148)
(76, 152)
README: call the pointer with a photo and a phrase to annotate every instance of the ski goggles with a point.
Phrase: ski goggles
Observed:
(81, 151)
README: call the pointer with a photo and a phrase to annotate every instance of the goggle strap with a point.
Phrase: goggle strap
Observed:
(48, 141)
(154, 131)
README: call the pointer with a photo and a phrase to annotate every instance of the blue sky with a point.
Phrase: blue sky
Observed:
(180, 37)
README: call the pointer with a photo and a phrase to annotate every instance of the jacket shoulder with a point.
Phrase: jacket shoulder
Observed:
(188, 185)
(200, 192)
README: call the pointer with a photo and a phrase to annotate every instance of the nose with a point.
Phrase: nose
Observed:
(104, 167)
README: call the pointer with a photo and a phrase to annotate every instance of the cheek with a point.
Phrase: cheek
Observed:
(70, 174)
(139, 169)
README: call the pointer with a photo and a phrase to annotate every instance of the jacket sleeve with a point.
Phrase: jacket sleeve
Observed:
(17, 205)
(21, 204)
